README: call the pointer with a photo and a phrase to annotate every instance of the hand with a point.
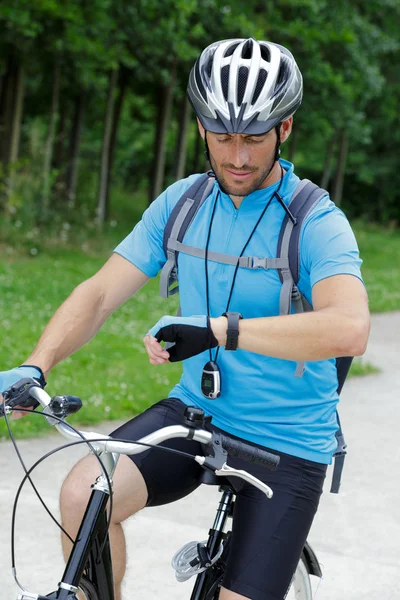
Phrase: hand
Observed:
(8, 378)
(189, 335)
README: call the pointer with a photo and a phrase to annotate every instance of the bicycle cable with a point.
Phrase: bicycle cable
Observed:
(33, 485)
(59, 448)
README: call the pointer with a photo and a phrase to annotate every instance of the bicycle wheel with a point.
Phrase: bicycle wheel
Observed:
(300, 588)
(301, 585)
(87, 590)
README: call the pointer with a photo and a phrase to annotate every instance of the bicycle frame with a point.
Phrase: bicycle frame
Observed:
(205, 579)
(90, 558)
(91, 552)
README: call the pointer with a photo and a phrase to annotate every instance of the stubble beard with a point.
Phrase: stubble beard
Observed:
(246, 188)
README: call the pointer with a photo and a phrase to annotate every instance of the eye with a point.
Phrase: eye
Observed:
(223, 140)
(255, 140)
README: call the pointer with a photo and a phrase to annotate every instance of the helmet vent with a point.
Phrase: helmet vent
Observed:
(208, 67)
(225, 80)
(229, 51)
(265, 53)
(262, 76)
(284, 72)
(242, 82)
(247, 50)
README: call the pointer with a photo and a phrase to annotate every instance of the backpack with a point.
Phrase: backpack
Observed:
(304, 199)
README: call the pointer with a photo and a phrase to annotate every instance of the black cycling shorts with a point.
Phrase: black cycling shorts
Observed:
(267, 535)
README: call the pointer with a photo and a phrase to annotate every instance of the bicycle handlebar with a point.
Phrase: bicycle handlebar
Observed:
(250, 453)
(102, 443)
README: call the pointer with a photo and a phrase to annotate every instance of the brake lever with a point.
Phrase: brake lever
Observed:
(214, 464)
(229, 471)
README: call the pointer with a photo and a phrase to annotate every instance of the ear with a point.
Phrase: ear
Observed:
(201, 129)
(286, 129)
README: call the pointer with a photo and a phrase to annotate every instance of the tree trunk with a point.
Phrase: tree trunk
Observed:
(181, 151)
(105, 155)
(74, 145)
(17, 114)
(2, 75)
(59, 186)
(123, 85)
(60, 137)
(341, 167)
(326, 175)
(198, 155)
(49, 148)
(7, 111)
(164, 114)
(3, 79)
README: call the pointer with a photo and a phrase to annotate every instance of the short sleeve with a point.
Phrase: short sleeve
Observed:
(143, 247)
(328, 244)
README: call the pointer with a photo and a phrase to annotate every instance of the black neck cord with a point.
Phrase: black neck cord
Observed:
(275, 194)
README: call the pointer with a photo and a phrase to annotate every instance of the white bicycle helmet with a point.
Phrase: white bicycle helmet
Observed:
(244, 86)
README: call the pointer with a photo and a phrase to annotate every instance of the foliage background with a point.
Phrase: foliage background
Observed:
(92, 100)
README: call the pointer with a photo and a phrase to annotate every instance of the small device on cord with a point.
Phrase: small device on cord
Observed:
(211, 380)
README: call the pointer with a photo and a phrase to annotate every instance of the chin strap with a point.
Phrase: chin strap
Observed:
(206, 151)
(278, 142)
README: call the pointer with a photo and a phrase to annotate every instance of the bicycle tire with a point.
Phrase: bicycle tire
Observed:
(300, 588)
(88, 589)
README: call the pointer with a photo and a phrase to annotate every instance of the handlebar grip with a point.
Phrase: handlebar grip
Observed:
(250, 453)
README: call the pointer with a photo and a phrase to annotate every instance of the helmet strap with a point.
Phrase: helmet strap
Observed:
(278, 141)
(206, 151)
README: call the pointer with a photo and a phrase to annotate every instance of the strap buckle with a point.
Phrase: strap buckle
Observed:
(258, 263)
(341, 446)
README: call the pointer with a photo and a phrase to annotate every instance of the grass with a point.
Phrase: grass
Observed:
(380, 251)
(359, 368)
(104, 373)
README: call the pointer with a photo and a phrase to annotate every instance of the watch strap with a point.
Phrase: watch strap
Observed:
(232, 332)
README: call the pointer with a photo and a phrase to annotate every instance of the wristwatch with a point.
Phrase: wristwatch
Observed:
(232, 332)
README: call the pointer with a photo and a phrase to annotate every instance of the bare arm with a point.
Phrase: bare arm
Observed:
(82, 314)
(339, 325)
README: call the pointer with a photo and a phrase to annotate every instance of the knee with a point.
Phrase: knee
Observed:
(76, 490)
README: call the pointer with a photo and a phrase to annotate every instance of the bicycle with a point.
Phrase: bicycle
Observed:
(89, 569)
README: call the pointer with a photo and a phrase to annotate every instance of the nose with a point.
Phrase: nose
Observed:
(239, 153)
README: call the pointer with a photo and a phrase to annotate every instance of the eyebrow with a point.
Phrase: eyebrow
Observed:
(247, 135)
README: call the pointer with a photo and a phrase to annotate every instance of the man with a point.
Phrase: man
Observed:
(244, 94)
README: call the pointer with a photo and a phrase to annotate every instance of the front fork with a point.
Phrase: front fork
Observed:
(91, 550)
(214, 540)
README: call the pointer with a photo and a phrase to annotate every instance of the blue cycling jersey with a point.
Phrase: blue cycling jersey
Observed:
(261, 400)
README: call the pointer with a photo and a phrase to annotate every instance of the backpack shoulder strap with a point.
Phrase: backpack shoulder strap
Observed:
(339, 456)
(178, 222)
(191, 197)
(306, 196)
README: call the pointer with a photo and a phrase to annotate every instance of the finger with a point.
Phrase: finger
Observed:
(154, 346)
(16, 414)
(155, 356)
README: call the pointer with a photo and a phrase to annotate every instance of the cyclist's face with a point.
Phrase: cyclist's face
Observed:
(242, 162)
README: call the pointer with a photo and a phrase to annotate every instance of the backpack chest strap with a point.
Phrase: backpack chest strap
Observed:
(245, 262)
